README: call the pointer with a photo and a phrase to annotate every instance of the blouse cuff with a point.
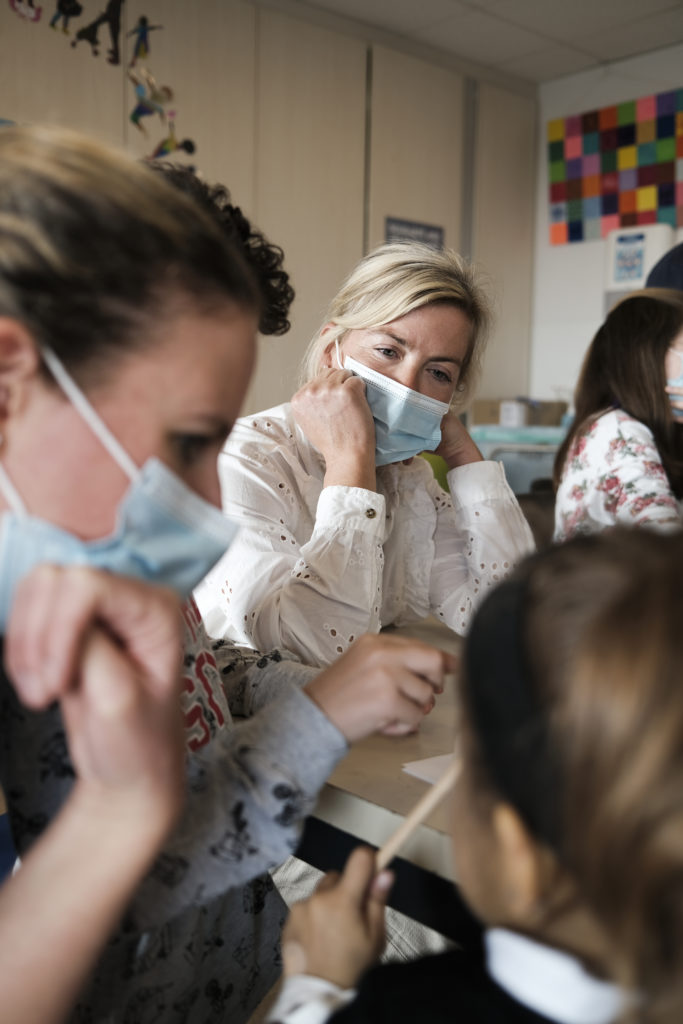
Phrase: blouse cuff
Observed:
(478, 482)
(356, 506)
(305, 999)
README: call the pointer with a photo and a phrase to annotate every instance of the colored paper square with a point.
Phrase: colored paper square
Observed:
(679, 193)
(556, 130)
(572, 126)
(679, 123)
(591, 229)
(558, 192)
(626, 135)
(591, 207)
(667, 215)
(558, 171)
(558, 213)
(666, 149)
(626, 112)
(679, 216)
(572, 147)
(574, 188)
(679, 99)
(679, 169)
(646, 131)
(576, 231)
(627, 157)
(646, 108)
(646, 198)
(666, 126)
(590, 185)
(628, 179)
(647, 175)
(558, 234)
(574, 168)
(589, 122)
(591, 164)
(608, 161)
(591, 143)
(610, 204)
(666, 194)
(555, 151)
(607, 118)
(628, 220)
(647, 153)
(666, 103)
(646, 217)
(679, 146)
(610, 223)
(608, 139)
(627, 201)
(574, 209)
(665, 172)
(610, 182)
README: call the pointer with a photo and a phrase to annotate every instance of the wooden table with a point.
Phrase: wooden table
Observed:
(368, 795)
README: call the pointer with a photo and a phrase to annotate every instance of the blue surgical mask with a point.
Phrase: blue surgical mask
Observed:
(165, 532)
(406, 422)
(676, 382)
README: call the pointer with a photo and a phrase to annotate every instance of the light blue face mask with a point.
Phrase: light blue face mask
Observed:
(676, 382)
(165, 532)
(406, 422)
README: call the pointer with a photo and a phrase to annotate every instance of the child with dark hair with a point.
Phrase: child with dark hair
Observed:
(622, 460)
(568, 814)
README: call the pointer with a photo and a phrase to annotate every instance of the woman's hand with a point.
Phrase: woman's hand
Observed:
(334, 415)
(381, 684)
(109, 649)
(339, 932)
(457, 447)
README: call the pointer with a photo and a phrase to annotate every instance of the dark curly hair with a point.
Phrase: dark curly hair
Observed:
(264, 259)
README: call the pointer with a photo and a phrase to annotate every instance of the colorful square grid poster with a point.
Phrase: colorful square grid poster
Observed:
(617, 167)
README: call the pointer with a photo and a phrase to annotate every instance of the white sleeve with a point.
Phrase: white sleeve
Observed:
(304, 999)
(481, 534)
(306, 580)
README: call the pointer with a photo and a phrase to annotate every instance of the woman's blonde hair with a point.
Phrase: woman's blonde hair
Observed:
(396, 279)
(96, 251)
(602, 653)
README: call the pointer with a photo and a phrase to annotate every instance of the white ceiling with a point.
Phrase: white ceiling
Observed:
(533, 39)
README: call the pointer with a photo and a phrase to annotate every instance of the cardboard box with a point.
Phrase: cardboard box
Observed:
(516, 412)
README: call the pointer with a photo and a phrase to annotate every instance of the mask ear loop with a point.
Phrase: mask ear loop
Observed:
(83, 406)
(337, 350)
(10, 493)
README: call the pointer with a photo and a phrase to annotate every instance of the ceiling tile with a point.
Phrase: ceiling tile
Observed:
(567, 21)
(478, 36)
(395, 15)
(626, 40)
(551, 62)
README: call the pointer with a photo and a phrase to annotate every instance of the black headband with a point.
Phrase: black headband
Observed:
(509, 723)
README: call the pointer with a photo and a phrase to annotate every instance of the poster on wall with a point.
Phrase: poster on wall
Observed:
(618, 167)
(398, 230)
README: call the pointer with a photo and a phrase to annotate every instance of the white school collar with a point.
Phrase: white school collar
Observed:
(553, 983)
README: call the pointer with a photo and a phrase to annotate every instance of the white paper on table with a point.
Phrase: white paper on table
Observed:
(429, 768)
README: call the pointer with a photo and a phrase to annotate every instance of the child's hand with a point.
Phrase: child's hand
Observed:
(339, 932)
(108, 648)
(457, 447)
(381, 684)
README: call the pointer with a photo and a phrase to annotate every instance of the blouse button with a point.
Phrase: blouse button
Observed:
(370, 513)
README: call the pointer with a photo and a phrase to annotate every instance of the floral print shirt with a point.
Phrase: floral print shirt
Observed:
(613, 474)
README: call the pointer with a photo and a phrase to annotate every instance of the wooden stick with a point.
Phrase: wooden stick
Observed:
(424, 806)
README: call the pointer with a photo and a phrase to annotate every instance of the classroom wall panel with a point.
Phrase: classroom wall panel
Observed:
(208, 55)
(309, 177)
(415, 165)
(503, 231)
(44, 79)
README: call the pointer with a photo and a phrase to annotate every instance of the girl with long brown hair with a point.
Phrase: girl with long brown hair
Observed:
(622, 460)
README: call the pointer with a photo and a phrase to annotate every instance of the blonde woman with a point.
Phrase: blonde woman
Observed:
(343, 530)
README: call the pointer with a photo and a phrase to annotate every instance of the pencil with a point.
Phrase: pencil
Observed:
(424, 806)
